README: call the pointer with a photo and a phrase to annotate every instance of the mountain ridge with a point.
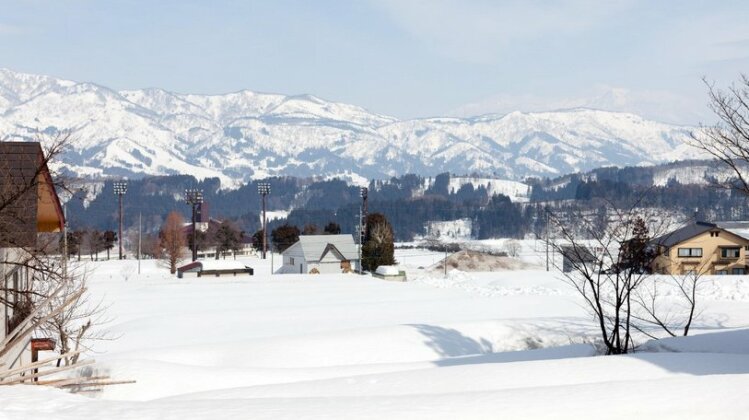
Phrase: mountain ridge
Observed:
(245, 135)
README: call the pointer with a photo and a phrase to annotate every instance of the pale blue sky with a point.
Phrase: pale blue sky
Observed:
(398, 57)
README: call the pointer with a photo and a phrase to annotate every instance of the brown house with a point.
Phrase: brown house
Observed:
(703, 248)
(29, 205)
(28, 201)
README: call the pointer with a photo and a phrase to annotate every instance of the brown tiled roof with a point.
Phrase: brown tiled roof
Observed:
(21, 164)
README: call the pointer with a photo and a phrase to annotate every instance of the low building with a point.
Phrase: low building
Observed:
(321, 254)
(578, 258)
(702, 248)
(214, 268)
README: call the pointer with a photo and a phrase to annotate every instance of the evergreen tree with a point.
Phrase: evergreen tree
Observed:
(227, 238)
(110, 237)
(378, 248)
(309, 229)
(332, 228)
(257, 240)
(284, 236)
(637, 253)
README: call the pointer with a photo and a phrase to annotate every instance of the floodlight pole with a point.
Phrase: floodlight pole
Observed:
(360, 231)
(120, 188)
(194, 197)
(265, 230)
(363, 210)
(263, 188)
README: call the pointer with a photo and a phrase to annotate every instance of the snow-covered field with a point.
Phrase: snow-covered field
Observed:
(510, 344)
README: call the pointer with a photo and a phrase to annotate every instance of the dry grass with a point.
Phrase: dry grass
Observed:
(475, 261)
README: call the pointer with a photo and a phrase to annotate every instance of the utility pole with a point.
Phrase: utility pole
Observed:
(263, 188)
(360, 232)
(547, 238)
(445, 264)
(65, 241)
(194, 197)
(364, 195)
(120, 188)
(140, 230)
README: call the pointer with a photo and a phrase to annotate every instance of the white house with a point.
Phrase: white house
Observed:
(321, 254)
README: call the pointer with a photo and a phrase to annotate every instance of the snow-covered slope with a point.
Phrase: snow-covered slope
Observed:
(246, 135)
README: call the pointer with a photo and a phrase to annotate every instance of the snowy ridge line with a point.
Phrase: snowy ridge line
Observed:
(249, 135)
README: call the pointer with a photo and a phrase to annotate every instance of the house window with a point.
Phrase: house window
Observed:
(291, 260)
(690, 252)
(721, 272)
(732, 252)
(738, 271)
(714, 234)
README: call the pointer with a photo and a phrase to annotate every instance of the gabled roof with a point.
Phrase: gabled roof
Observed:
(25, 181)
(739, 228)
(314, 246)
(684, 233)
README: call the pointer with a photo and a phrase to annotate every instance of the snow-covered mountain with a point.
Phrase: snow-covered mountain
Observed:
(245, 135)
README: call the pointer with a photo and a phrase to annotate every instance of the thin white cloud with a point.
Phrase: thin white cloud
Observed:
(7, 29)
(657, 105)
(473, 30)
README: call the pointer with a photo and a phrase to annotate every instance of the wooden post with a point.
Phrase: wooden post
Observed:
(37, 345)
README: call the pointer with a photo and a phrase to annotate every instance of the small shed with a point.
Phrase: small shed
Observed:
(218, 268)
(576, 257)
(389, 272)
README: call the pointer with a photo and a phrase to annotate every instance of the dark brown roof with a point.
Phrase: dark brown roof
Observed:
(28, 201)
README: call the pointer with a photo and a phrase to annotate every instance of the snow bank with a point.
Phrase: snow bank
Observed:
(469, 345)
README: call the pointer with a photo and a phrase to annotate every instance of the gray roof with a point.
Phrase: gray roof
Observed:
(313, 246)
(682, 234)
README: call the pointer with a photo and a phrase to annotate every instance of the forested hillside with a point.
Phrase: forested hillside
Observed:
(411, 201)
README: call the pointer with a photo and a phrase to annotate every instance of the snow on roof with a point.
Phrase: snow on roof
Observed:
(739, 228)
(313, 246)
(387, 270)
(211, 264)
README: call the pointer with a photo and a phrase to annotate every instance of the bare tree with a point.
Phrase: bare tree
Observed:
(728, 139)
(95, 243)
(173, 241)
(512, 247)
(35, 282)
(608, 265)
(675, 319)
(80, 322)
